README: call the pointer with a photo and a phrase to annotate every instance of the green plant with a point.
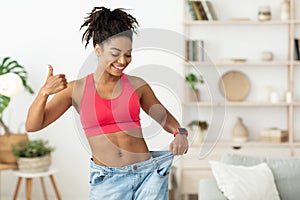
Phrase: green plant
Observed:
(202, 124)
(192, 79)
(11, 66)
(33, 148)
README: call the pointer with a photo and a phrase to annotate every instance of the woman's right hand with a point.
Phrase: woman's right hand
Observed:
(54, 83)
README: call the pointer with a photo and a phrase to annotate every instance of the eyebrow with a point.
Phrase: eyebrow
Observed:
(114, 48)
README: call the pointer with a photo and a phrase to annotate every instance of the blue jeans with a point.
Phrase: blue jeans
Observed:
(147, 180)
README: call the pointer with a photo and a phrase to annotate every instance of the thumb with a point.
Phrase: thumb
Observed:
(50, 73)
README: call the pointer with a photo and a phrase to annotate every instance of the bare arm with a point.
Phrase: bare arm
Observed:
(41, 113)
(154, 108)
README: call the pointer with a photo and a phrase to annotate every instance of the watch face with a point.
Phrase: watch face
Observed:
(182, 130)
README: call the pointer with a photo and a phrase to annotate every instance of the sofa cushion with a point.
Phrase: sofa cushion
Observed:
(245, 182)
(208, 190)
(286, 172)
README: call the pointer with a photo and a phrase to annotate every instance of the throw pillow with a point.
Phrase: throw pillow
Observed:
(248, 183)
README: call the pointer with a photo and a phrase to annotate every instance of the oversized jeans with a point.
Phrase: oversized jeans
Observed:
(147, 180)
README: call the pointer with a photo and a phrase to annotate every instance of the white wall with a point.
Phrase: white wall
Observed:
(36, 33)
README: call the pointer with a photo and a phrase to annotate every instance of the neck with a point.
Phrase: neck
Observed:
(102, 76)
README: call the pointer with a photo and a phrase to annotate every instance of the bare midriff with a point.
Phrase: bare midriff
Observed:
(119, 149)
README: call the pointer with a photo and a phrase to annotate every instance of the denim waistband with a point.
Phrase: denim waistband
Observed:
(157, 158)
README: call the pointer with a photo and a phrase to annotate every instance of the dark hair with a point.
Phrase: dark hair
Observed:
(102, 23)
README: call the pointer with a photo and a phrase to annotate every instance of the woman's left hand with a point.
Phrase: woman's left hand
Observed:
(179, 145)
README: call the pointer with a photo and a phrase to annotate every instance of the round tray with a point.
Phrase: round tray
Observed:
(234, 85)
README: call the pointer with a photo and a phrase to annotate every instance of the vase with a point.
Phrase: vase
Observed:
(264, 13)
(284, 10)
(240, 131)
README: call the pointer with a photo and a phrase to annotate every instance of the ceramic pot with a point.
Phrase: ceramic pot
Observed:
(240, 131)
(266, 56)
(284, 10)
(38, 164)
(264, 13)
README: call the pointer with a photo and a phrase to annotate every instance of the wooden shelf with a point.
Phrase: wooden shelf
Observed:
(296, 104)
(296, 21)
(240, 104)
(237, 22)
(296, 144)
(296, 63)
(232, 63)
(249, 144)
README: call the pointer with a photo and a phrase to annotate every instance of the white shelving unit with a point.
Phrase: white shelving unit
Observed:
(284, 63)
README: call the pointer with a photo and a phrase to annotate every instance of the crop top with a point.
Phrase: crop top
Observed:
(101, 116)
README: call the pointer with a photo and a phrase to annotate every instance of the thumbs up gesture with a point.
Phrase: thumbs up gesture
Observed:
(54, 83)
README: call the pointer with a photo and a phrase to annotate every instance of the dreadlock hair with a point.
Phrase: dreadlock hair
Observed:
(102, 23)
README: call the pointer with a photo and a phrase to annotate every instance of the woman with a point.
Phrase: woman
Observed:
(109, 102)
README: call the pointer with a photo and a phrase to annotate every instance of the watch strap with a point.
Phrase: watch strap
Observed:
(182, 131)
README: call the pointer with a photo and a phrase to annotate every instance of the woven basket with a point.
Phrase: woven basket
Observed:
(6, 142)
(38, 164)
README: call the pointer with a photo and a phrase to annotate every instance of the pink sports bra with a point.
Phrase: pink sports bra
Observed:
(102, 116)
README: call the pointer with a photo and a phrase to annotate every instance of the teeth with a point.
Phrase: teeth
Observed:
(118, 67)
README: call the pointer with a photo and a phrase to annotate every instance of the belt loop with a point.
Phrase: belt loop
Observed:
(156, 165)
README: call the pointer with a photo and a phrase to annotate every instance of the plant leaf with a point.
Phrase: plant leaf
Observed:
(4, 101)
(12, 66)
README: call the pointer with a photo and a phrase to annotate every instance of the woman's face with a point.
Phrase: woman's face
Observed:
(115, 54)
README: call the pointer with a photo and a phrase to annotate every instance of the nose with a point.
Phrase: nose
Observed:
(122, 60)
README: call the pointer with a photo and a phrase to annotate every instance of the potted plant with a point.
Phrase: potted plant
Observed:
(10, 69)
(34, 156)
(193, 80)
(198, 129)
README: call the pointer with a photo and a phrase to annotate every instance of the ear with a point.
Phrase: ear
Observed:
(98, 49)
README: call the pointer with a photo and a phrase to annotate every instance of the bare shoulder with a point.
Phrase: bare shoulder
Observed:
(78, 84)
(136, 81)
(77, 91)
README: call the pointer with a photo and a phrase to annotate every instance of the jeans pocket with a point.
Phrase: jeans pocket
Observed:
(97, 177)
(163, 171)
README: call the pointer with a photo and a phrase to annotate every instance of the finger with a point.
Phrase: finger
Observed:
(60, 75)
(50, 73)
(175, 151)
(171, 147)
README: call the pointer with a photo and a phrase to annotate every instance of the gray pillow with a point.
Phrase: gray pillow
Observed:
(286, 171)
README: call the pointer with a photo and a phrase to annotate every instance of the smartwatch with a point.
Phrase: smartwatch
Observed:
(182, 131)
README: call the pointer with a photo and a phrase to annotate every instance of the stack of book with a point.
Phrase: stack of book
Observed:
(275, 135)
(194, 50)
(202, 10)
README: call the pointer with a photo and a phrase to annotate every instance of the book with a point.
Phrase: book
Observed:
(296, 52)
(201, 10)
(195, 50)
(210, 12)
(298, 49)
(196, 10)
(192, 10)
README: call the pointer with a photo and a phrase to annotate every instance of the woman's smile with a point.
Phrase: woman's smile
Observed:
(119, 68)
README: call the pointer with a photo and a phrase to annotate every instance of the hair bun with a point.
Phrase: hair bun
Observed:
(103, 23)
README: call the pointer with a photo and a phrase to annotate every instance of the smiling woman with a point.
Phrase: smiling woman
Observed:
(108, 102)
